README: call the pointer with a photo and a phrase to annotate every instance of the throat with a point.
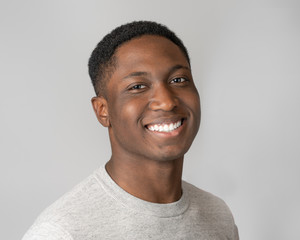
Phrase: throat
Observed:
(152, 182)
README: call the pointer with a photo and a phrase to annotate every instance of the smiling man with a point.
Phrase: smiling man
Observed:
(147, 99)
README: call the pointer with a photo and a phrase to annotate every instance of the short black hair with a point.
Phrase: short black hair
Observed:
(102, 62)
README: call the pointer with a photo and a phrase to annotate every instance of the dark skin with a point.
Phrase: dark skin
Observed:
(152, 112)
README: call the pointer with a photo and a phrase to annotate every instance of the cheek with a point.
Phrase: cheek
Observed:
(130, 110)
(192, 100)
(127, 112)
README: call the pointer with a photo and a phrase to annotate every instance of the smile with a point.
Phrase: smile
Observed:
(165, 127)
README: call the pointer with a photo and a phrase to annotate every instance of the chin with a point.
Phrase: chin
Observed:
(170, 156)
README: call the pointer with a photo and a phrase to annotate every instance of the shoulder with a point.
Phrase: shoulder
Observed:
(217, 215)
(74, 201)
(203, 199)
(46, 231)
(69, 212)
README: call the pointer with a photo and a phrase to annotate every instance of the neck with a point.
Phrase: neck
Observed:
(152, 181)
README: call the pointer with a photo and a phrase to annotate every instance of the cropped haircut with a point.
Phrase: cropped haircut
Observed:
(103, 62)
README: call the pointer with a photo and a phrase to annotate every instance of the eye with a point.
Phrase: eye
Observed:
(137, 87)
(179, 80)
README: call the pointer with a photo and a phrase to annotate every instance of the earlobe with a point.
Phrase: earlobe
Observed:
(101, 110)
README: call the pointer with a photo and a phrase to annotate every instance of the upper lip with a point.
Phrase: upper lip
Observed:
(164, 120)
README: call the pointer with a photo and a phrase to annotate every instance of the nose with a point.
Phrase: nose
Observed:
(163, 99)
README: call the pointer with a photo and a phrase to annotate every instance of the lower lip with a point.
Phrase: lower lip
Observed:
(173, 133)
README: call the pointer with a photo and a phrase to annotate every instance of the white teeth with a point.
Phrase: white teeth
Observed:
(164, 127)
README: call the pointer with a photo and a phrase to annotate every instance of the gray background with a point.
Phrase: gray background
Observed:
(245, 58)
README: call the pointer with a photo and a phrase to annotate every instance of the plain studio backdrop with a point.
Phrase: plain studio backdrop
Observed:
(245, 60)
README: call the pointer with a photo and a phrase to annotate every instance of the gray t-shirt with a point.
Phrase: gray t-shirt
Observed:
(98, 208)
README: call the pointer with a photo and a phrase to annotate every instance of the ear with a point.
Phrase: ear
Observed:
(101, 110)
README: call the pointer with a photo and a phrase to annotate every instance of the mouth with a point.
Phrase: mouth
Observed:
(165, 127)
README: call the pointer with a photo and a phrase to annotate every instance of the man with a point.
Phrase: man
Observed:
(147, 99)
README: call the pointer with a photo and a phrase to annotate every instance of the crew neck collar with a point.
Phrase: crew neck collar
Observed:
(163, 210)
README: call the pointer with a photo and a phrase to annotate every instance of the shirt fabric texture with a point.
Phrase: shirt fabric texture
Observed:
(98, 208)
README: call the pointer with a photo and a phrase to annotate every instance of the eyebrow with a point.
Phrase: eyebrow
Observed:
(171, 70)
(136, 74)
(176, 67)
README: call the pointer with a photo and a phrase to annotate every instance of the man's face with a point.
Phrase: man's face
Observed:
(153, 104)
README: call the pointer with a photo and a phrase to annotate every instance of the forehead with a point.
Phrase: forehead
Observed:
(150, 49)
